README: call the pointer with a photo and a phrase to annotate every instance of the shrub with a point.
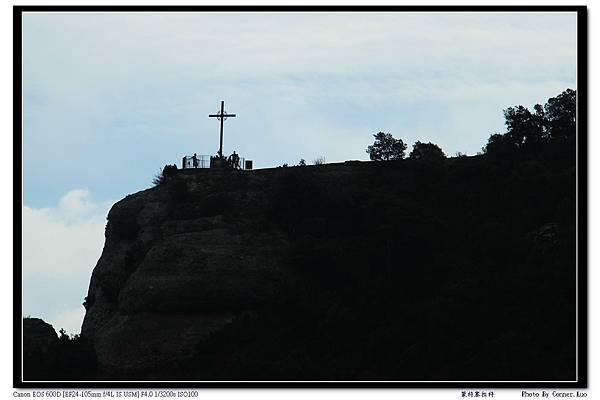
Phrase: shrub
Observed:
(167, 173)
(426, 151)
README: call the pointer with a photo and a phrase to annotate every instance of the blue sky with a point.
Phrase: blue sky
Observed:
(110, 98)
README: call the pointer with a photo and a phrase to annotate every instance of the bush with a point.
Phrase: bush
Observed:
(167, 173)
(426, 151)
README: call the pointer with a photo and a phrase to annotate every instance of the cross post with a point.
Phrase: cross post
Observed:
(221, 116)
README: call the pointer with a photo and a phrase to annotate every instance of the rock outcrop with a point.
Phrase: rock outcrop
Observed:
(181, 261)
(38, 336)
(39, 344)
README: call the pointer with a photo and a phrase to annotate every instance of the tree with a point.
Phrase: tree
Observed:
(426, 151)
(302, 162)
(553, 122)
(498, 144)
(560, 113)
(386, 148)
(524, 128)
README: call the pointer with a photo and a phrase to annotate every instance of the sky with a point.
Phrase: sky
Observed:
(110, 98)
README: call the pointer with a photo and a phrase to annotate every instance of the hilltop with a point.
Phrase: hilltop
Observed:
(407, 270)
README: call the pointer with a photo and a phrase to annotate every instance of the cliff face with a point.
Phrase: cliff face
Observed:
(181, 261)
(457, 269)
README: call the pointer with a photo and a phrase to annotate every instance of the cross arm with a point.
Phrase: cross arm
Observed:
(219, 115)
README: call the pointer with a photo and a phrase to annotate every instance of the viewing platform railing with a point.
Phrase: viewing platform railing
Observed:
(204, 161)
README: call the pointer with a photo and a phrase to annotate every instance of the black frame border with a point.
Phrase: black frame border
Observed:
(582, 187)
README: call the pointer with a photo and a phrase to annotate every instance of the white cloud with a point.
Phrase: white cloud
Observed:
(61, 246)
(76, 204)
(63, 242)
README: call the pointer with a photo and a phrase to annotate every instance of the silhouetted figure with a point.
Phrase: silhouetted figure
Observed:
(235, 160)
(195, 161)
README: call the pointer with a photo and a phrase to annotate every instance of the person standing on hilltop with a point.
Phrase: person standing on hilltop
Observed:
(235, 160)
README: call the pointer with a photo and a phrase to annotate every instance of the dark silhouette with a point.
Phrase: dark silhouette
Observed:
(235, 160)
(47, 356)
(167, 173)
(222, 115)
(195, 161)
(552, 124)
(426, 152)
(523, 127)
(386, 147)
(559, 115)
(302, 162)
(498, 145)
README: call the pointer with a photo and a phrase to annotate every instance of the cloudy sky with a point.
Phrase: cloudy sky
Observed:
(109, 98)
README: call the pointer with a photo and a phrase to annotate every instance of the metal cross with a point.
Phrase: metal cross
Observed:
(221, 116)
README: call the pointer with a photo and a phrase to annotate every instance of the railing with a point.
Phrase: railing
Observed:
(204, 161)
(240, 164)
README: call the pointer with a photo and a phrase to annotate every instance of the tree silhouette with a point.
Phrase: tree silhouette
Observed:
(498, 144)
(553, 122)
(386, 148)
(426, 151)
(560, 113)
(524, 128)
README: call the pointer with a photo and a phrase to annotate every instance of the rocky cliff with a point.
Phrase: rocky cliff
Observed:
(182, 261)
(399, 270)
